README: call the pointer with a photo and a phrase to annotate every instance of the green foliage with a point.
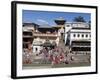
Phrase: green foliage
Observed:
(79, 19)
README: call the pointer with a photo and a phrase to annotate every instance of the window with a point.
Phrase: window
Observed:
(90, 35)
(36, 49)
(86, 35)
(74, 35)
(82, 35)
(78, 35)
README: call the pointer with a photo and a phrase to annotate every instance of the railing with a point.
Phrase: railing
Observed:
(45, 34)
(81, 46)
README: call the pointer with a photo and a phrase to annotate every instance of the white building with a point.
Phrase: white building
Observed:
(78, 36)
(36, 45)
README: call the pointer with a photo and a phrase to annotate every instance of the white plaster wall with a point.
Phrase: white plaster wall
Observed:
(38, 49)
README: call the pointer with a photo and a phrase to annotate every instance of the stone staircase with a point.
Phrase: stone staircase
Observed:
(62, 45)
(80, 58)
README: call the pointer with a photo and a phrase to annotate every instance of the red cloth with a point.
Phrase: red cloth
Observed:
(61, 56)
(57, 60)
(51, 57)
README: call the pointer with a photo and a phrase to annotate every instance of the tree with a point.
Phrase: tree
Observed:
(79, 19)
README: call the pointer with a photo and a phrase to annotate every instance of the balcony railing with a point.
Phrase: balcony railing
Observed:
(45, 34)
(81, 45)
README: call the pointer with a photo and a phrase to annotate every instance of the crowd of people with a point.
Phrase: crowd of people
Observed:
(53, 56)
(27, 56)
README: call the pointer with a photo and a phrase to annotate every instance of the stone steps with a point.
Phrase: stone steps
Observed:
(81, 58)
